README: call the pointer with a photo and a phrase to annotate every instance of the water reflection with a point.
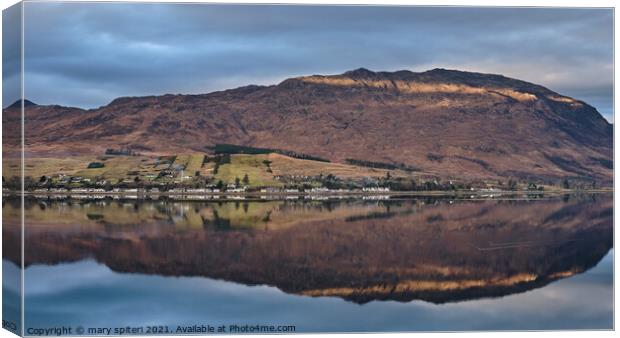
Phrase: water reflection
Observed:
(440, 251)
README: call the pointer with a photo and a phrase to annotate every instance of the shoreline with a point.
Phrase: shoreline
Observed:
(479, 193)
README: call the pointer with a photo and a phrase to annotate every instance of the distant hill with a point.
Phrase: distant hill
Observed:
(445, 122)
(18, 104)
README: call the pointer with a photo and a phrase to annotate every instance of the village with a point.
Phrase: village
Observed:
(230, 189)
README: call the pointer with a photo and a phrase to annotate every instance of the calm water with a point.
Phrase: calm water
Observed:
(338, 265)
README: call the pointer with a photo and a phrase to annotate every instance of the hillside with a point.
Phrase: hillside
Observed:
(444, 122)
(262, 170)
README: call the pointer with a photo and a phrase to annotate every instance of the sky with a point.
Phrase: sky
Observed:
(87, 54)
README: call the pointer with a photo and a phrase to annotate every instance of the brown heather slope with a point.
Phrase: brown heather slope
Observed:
(445, 122)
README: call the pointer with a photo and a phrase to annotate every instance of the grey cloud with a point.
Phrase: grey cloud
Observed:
(11, 56)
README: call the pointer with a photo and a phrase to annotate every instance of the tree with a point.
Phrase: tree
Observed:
(95, 165)
(246, 179)
(220, 185)
(237, 181)
(29, 183)
(566, 184)
(512, 185)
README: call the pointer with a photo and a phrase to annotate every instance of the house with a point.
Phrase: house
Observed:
(198, 191)
(270, 190)
(376, 189)
(59, 190)
(318, 190)
(236, 190)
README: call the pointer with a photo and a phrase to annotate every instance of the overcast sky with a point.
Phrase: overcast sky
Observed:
(86, 54)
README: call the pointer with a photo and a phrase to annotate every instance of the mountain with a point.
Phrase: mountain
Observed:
(444, 122)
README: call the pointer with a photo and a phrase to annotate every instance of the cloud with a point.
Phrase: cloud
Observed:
(91, 293)
(11, 56)
(86, 54)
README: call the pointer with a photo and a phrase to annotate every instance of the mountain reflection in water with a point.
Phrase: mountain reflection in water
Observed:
(433, 249)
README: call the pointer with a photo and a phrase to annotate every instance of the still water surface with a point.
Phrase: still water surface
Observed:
(418, 264)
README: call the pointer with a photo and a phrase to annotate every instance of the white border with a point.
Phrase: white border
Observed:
(482, 3)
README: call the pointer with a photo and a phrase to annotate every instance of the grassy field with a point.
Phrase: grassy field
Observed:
(120, 167)
(284, 165)
(252, 165)
(257, 170)
(261, 169)
(195, 163)
(37, 167)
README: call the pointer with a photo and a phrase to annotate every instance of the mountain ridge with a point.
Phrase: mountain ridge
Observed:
(450, 122)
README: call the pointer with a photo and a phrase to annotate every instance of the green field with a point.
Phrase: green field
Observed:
(119, 168)
(191, 162)
(252, 165)
(261, 169)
